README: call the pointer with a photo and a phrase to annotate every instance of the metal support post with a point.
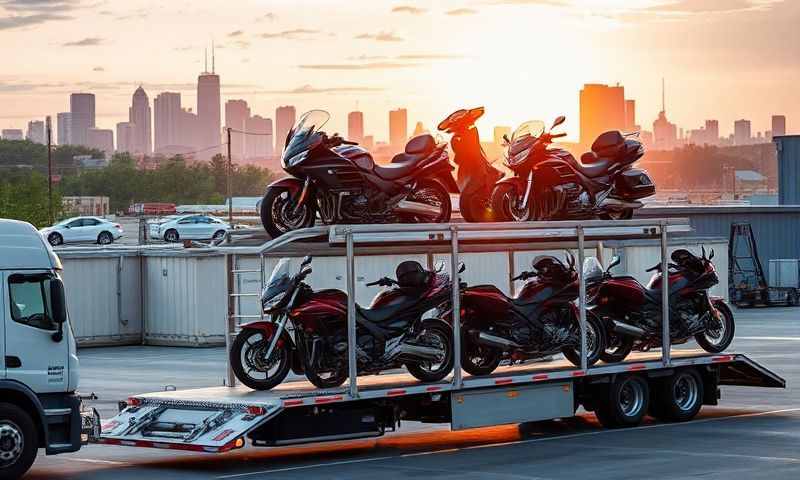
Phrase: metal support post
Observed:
(582, 297)
(230, 324)
(351, 316)
(666, 341)
(457, 376)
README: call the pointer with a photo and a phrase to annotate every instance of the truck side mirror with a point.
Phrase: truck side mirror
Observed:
(58, 306)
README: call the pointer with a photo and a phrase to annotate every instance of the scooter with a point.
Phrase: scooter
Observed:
(476, 176)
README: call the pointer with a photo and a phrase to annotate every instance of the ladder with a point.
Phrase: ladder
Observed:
(745, 274)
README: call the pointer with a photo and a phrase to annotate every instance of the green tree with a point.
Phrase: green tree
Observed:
(23, 196)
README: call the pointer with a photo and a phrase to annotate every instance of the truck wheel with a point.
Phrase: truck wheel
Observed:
(623, 403)
(19, 441)
(55, 239)
(678, 398)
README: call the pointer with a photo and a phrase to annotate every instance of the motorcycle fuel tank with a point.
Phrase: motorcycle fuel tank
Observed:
(486, 298)
(623, 289)
(322, 304)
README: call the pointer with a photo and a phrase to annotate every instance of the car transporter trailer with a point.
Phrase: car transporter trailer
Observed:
(217, 419)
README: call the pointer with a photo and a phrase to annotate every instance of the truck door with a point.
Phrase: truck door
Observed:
(2, 326)
(33, 356)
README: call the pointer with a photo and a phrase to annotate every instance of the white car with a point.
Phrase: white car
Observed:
(82, 229)
(190, 227)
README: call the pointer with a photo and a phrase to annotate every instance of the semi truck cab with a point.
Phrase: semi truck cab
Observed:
(39, 406)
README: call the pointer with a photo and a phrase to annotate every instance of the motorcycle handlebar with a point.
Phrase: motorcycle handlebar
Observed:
(383, 282)
(558, 135)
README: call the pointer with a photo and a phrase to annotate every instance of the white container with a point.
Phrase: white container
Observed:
(784, 272)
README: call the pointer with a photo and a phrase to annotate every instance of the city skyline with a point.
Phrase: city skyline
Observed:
(277, 56)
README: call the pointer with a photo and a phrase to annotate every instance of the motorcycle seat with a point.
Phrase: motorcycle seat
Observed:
(591, 165)
(417, 149)
(384, 314)
(397, 169)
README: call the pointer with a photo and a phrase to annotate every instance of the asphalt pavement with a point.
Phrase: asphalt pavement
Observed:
(754, 433)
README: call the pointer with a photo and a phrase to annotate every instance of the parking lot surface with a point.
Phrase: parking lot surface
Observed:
(753, 434)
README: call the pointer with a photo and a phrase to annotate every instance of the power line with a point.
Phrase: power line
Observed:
(201, 150)
(250, 133)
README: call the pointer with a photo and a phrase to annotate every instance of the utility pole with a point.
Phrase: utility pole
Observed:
(230, 180)
(49, 169)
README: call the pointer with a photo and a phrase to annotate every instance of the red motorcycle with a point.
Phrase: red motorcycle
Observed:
(541, 320)
(631, 312)
(476, 176)
(308, 330)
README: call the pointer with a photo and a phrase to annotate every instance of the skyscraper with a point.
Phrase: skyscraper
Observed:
(284, 121)
(208, 112)
(189, 137)
(741, 132)
(398, 128)
(602, 108)
(125, 133)
(778, 125)
(12, 134)
(139, 116)
(236, 114)
(81, 107)
(101, 139)
(64, 135)
(36, 131)
(166, 120)
(712, 132)
(258, 145)
(630, 115)
(355, 127)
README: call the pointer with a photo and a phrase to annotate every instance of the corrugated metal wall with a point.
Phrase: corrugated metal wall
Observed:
(788, 169)
(776, 228)
(104, 299)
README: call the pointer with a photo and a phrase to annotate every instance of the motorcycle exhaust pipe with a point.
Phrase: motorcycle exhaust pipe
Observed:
(413, 352)
(617, 204)
(497, 342)
(627, 330)
(417, 208)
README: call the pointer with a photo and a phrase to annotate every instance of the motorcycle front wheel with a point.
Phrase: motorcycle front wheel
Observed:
(625, 214)
(249, 362)
(718, 338)
(617, 350)
(595, 343)
(479, 360)
(505, 201)
(328, 379)
(278, 215)
(439, 335)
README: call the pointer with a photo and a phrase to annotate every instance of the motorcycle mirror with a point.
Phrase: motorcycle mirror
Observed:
(558, 121)
(461, 267)
(570, 259)
(306, 260)
(505, 137)
(703, 251)
(439, 266)
(711, 254)
(615, 260)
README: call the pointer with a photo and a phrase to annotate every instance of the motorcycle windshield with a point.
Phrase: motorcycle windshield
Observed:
(278, 282)
(592, 270)
(306, 133)
(523, 138)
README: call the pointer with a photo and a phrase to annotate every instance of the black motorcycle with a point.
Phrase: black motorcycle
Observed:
(476, 176)
(550, 184)
(340, 181)
(307, 331)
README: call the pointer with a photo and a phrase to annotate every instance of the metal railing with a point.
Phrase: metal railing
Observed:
(575, 233)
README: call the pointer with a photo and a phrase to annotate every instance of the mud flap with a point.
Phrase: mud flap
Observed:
(181, 425)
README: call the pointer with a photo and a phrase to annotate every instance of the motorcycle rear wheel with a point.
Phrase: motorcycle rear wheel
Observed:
(475, 209)
(717, 340)
(595, 343)
(439, 334)
(277, 212)
(247, 360)
(432, 192)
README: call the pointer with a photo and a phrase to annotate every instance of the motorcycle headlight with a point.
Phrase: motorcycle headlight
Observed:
(296, 159)
(273, 302)
(519, 157)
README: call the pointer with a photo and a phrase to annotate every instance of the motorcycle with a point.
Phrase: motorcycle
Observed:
(308, 330)
(540, 321)
(550, 184)
(340, 181)
(476, 176)
(632, 312)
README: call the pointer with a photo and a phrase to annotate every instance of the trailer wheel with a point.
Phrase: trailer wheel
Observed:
(623, 403)
(679, 397)
(18, 441)
(792, 298)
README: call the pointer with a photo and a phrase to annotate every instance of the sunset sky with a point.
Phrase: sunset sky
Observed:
(521, 59)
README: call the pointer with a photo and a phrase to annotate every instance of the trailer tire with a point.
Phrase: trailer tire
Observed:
(19, 442)
(283, 350)
(677, 398)
(623, 402)
(792, 298)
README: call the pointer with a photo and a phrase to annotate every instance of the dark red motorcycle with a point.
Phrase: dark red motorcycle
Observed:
(541, 320)
(307, 332)
(631, 312)
(476, 176)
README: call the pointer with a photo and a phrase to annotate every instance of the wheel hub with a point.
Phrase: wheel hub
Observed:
(11, 443)
(630, 399)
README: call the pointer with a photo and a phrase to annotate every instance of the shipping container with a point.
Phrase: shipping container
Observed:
(784, 273)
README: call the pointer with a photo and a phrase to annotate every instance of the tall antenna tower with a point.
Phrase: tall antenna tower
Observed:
(205, 65)
(663, 96)
(213, 63)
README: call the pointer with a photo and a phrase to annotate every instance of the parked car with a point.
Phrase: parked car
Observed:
(82, 229)
(189, 227)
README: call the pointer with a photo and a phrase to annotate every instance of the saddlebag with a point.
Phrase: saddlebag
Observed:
(633, 184)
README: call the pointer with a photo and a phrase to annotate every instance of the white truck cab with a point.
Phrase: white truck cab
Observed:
(39, 407)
